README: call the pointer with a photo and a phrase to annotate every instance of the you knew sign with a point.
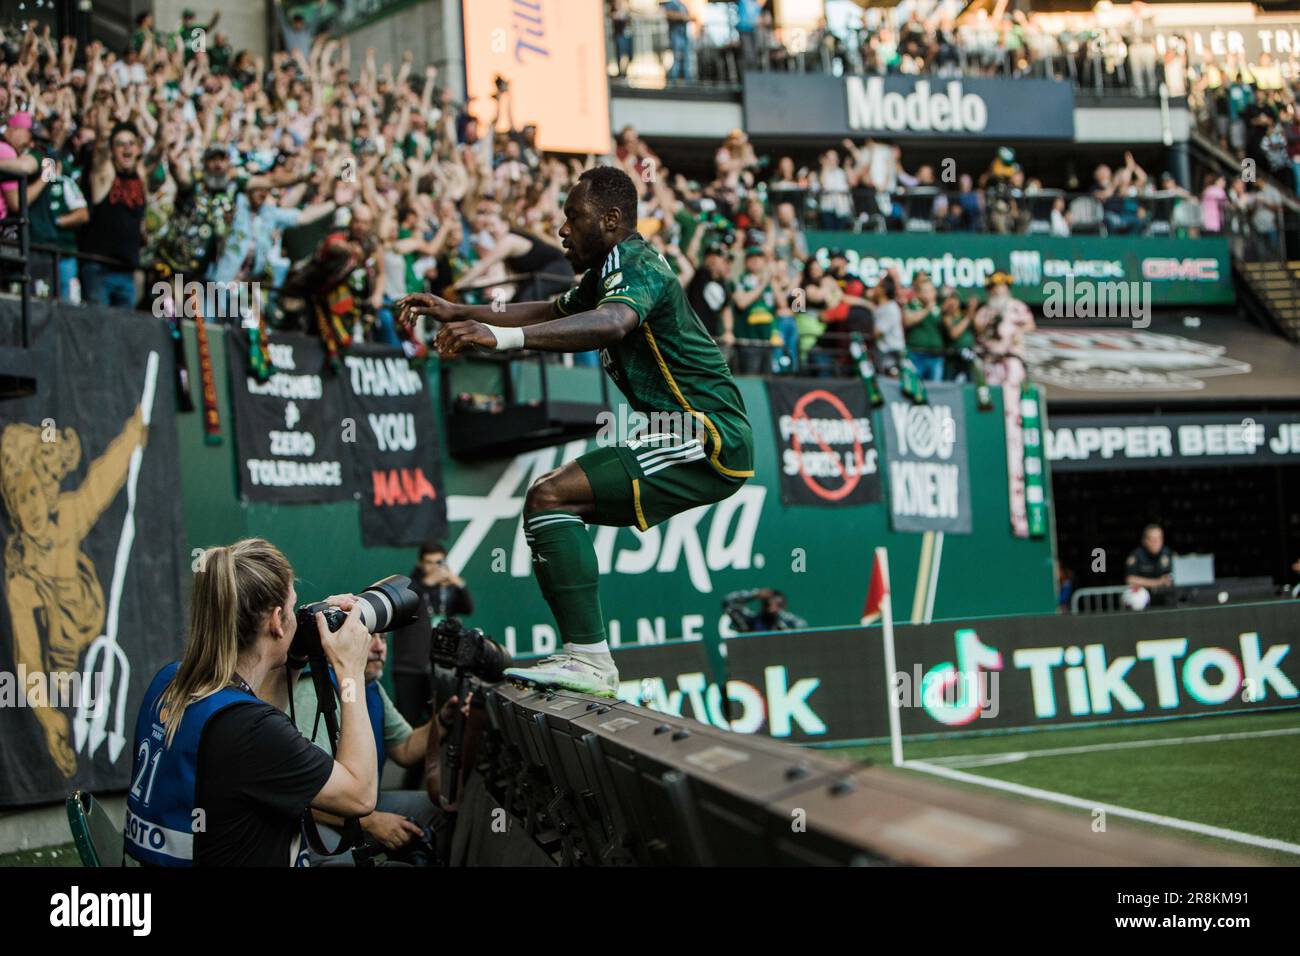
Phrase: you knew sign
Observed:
(928, 467)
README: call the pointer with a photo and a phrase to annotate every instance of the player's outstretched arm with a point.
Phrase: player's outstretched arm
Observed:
(581, 332)
(512, 315)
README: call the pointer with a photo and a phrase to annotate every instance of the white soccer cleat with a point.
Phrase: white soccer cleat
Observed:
(594, 674)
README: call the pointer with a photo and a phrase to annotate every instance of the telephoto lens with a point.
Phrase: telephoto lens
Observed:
(389, 604)
(385, 606)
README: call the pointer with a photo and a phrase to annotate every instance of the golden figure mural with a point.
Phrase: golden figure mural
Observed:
(55, 599)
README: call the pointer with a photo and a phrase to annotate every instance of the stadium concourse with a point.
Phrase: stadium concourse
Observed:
(803, 434)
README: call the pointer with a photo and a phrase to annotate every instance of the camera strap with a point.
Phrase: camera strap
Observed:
(351, 837)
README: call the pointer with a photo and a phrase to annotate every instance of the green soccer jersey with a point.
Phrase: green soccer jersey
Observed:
(669, 363)
(927, 335)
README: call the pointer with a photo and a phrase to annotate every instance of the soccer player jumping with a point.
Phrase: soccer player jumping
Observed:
(629, 305)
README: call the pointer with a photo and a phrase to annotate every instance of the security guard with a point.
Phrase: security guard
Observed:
(1151, 565)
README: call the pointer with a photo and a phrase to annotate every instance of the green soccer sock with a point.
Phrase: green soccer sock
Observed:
(564, 561)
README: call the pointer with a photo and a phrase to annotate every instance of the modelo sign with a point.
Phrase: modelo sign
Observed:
(907, 106)
(947, 110)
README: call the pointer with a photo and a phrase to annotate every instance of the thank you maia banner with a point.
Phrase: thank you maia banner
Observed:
(395, 453)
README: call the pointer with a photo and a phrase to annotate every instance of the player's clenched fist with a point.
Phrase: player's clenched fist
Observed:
(411, 307)
(455, 336)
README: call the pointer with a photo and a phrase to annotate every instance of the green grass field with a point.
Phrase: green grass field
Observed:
(1248, 782)
(65, 855)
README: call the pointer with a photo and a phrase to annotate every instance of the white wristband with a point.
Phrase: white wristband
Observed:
(507, 339)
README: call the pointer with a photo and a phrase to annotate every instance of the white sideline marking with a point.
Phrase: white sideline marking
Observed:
(1015, 756)
(1090, 805)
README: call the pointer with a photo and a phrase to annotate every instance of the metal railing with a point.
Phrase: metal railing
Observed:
(16, 268)
(55, 255)
(1098, 600)
(1011, 211)
(649, 50)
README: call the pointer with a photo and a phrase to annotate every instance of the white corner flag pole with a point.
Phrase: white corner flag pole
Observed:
(891, 668)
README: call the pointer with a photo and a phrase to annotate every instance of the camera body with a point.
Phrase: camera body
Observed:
(385, 606)
(718, 229)
(467, 650)
(474, 659)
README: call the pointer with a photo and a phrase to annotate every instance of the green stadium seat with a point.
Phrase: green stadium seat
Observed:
(99, 840)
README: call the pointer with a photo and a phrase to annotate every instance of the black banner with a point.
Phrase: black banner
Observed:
(985, 675)
(825, 441)
(93, 548)
(289, 429)
(1108, 442)
(395, 456)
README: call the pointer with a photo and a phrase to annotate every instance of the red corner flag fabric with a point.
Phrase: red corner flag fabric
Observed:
(878, 590)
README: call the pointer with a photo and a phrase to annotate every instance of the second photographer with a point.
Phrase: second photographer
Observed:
(403, 820)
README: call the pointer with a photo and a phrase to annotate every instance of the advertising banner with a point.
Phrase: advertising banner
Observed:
(1086, 277)
(899, 106)
(92, 546)
(551, 55)
(1279, 39)
(993, 674)
(1181, 440)
(825, 442)
(1039, 671)
(929, 471)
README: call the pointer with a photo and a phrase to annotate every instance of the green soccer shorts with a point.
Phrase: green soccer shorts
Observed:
(642, 483)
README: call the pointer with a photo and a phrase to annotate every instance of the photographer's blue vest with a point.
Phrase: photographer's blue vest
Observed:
(160, 808)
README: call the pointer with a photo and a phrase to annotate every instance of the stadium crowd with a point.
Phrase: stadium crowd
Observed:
(998, 42)
(1249, 108)
(343, 186)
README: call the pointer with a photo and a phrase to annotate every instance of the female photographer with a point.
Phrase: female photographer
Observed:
(222, 777)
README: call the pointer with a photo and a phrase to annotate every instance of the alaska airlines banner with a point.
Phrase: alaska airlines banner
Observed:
(670, 582)
(93, 551)
(664, 584)
(1076, 278)
(992, 674)
(898, 106)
